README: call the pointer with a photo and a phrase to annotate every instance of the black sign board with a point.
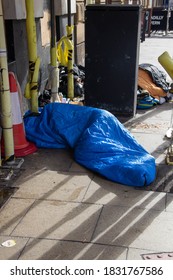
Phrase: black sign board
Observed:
(171, 21)
(159, 20)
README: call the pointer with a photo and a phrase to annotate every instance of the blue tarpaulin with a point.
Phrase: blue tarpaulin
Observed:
(100, 142)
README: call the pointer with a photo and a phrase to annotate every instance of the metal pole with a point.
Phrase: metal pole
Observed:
(54, 70)
(70, 83)
(31, 90)
(69, 12)
(5, 98)
(167, 21)
(52, 13)
(150, 16)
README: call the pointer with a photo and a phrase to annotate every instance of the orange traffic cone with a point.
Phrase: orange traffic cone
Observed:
(21, 146)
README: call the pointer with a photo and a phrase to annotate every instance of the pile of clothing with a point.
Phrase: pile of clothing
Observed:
(79, 78)
(153, 88)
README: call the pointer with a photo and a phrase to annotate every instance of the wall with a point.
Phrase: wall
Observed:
(15, 9)
(79, 32)
(19, 63)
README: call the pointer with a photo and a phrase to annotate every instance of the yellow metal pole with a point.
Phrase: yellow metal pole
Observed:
(69, 28)
(5, 99)
(167, 62)
(31, 90)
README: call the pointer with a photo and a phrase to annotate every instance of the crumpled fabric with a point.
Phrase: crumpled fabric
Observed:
(100, 142)
(145, 82)
(158, 77)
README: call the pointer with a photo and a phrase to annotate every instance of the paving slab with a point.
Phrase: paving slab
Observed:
(59, 220)
(53, 185)
(102, 191)
(151, 142)
(44, 249)
(136, 254)
(169, 202)
(75, 167)
(164, 179)
(12, 253)
(135, 228)
(12, 213)
(160, 184)
(51, 159)
(150, 126)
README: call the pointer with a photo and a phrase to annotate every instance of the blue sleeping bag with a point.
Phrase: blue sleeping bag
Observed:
(100, 142)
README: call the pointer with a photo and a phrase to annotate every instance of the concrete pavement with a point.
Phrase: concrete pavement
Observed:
(61, 210)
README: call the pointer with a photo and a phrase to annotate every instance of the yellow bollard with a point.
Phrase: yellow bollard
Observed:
(167, 62)
(65, 58)
(5, 98)
(31, 90)
(62, 51)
